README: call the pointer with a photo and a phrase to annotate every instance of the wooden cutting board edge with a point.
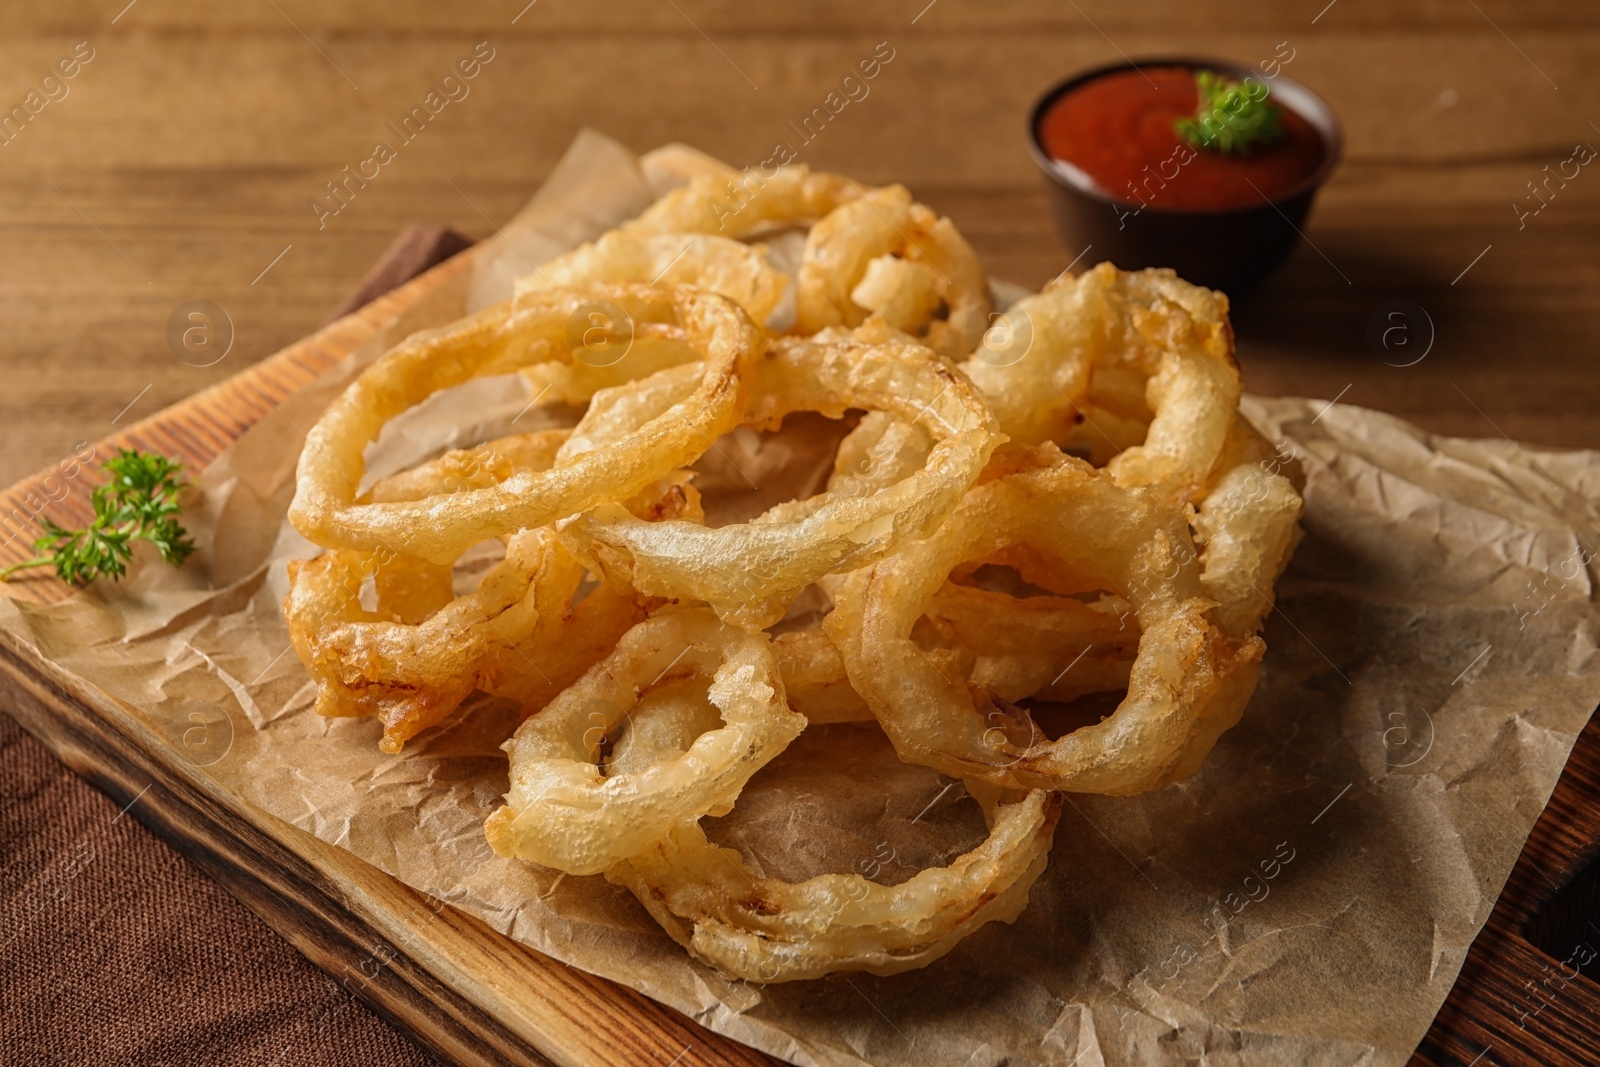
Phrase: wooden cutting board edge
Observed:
(470, 994)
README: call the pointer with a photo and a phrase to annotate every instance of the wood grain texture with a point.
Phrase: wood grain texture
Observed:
(1516, 1004)
(201, 427)
(194, 141)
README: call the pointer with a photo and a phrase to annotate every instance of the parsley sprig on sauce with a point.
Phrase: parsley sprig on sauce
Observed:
(1232, 117)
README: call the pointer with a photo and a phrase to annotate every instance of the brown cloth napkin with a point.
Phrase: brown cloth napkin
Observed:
(114, 950)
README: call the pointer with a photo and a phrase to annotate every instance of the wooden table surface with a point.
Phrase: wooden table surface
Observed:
(181, 163)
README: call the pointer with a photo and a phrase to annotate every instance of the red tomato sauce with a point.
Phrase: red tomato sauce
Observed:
(1118, 130)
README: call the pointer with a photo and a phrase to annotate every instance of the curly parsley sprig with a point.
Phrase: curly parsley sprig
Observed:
(1232, 117)
(139, 503)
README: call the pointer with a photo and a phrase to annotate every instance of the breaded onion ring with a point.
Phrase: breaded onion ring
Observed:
(1135, 365)
(417, 656)
(1052, 648)
(562, 812)
(325, 593)
(844, 255)
(738, 271)
(767, 930)
(750, 572)
(1189, 682)
(736, 206)
(499, 340)
(1248, 522)
(815, 679)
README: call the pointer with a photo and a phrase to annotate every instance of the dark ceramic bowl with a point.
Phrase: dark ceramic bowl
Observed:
(1231, 249)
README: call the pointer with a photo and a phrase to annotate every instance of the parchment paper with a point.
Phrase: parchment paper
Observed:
(1308, 897)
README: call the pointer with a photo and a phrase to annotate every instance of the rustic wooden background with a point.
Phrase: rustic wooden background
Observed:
(184, 157)
(181, 164)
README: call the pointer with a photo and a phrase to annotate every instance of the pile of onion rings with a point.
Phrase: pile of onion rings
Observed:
(1018, 513)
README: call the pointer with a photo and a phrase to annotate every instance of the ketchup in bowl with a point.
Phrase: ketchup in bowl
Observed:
(1119, 131)
(1222, 201)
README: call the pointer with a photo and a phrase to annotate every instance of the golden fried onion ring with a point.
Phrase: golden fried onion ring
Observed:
(562, 812)
(815, 680)
(471, 468)
(499, 340)
(561, 647)
(750, 572)
(418, 655)
(1189, 682)
(736, 270)
(767, 930)
(347, 648)
(737, 206)
(855, 251)
(1137, 369)
(1248, 521)
(326, 592)
(1049, 647)
(1136, 365)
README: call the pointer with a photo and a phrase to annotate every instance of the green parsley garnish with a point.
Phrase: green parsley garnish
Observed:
(1232, 117)
(139, 503)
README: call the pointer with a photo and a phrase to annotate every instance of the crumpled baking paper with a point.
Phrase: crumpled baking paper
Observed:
(1308, 897)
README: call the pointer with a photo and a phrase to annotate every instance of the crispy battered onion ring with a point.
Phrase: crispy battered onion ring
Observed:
(666, 722)
(499, 340)
(562, 812)
(815, 680)
(578, 383)
(1136, 369)
(738, 271)
(1248, 521)
(750, 572)
(766, 930)
(471, 468)
(339, 641)
(1052, 648)
(325, 593)
(868, 251)
(617, 411)
(455, 641)
(563, 646)
(417, 656)
(904, 261)
(1193, 390)
(737, 206)
(1189, 682)
(1135, 366)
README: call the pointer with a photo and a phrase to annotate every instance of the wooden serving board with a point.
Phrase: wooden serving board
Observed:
(468, 993)
(476, 997)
